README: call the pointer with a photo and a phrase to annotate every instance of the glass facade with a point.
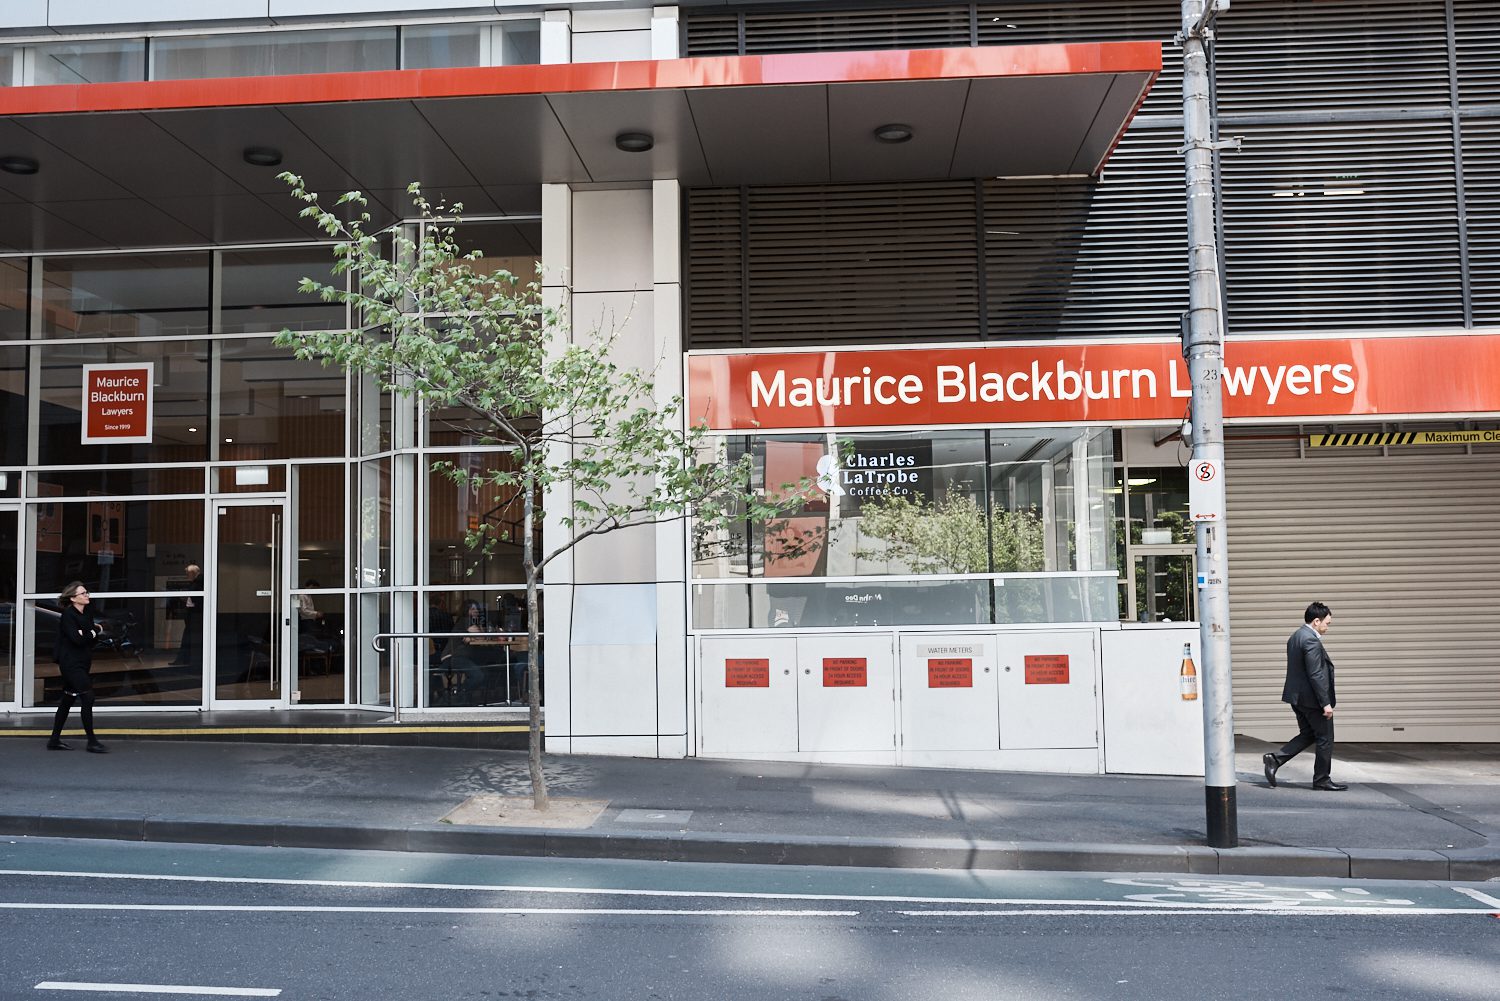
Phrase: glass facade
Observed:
(1007, 526)
(279, 517)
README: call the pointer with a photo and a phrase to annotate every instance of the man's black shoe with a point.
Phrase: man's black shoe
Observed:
(1271, 764)
(57, 745)
(96, 748)
(1328, 785)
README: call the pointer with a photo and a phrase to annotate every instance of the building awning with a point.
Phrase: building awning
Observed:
(164, 162)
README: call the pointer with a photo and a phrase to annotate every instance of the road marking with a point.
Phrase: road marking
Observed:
(1200, 910)
(1483, 898)
(356, 909)
(238, 992)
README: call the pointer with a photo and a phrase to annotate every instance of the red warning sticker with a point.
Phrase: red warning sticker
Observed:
(845, 672)
(1047, 669)
(950, 672)
(746, 672)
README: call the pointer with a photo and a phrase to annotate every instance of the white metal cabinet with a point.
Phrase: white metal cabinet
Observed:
(949, 699)
(846, 687)
(1047, 689)
(748, 688)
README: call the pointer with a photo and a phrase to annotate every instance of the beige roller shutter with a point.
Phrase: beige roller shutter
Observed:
(1405, 547)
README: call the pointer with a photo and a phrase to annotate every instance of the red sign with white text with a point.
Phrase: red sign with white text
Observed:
(845, 672)
(117, 404)
(1047, 669)
(950, 672)
(1102, 382)
(747, 672)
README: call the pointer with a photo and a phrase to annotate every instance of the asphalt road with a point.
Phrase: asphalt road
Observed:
(109, 920)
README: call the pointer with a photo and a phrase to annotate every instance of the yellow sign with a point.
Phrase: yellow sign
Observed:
(1381, 438)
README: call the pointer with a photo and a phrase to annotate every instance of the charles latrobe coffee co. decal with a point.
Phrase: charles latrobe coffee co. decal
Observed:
(1102, 382)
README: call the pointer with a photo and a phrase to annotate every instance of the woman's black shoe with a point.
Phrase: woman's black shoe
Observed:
(96, 748)
(56, 744)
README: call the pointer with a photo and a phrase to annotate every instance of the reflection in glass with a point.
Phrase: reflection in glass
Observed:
(258, 291)
(318, 638)
(116, 481)
(134, 663)
(274, 406)
(878, 603)
(125, 295)
(431, 46)
(180, 427)
(9, 550)
(13, 409)
(1164, 587)
(488, 665)
(321, 512)
(15, 292)
(112, 60)
(1057, 598)
(1159, 502)
(114, 545)
(279, 53)
(455, 510)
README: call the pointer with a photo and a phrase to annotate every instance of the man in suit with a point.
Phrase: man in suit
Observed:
(1309, 689)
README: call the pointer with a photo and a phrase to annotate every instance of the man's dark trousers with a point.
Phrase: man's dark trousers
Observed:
(1312, 728)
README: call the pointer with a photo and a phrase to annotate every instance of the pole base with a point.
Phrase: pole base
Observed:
(1223, 819)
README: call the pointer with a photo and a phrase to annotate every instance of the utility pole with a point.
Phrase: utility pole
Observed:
(1203, 346)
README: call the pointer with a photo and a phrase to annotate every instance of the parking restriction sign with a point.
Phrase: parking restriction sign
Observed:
(1205, 490)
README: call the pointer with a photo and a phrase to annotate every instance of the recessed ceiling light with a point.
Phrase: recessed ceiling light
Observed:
(262, 156)
(193, 430)
(893, 133)
(229, 441)
(634, 142)
(19, 165)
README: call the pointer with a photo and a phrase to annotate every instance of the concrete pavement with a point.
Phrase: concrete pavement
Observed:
(1412, 811)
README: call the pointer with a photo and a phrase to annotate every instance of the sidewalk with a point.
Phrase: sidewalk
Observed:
(1412, 811)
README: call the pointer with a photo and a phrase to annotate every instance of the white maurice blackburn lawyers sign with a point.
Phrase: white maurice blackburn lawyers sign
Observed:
(118, 403)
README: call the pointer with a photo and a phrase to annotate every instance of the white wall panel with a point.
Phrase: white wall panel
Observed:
(1047, 689)
(749, 690)
(23, 14)
(77, 13)
(612, 240)
(309, 8)
(611, 46)
(1148, 728)
(671, 660)
(846, 686)
(949, 699)
(614, 691)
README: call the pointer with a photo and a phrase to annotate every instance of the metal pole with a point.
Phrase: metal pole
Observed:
(1204, 349)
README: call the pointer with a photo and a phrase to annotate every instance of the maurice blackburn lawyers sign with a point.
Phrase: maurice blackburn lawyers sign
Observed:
(1095, 382)
(117, 403)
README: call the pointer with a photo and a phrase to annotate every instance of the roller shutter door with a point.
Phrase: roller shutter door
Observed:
(1405, 548)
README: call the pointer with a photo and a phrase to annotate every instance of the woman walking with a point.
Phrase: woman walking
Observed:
(76, 635)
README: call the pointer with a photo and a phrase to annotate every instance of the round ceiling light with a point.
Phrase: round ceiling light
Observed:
(634, 142)
(893, 133)
(262, 156)
(19, 165)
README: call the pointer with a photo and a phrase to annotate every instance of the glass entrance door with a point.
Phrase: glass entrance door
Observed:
(249, 610)
(10, 612)
(1165, 588)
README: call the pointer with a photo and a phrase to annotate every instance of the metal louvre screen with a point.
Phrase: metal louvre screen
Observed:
(1477, 41)
(832, 264)
(1342, 225)
(1078, 258)
(1482, 193)
(1332, 54)
(1405, 548)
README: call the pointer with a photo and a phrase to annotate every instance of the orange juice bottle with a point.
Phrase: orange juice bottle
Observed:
(1188, 677)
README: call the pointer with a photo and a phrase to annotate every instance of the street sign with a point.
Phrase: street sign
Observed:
(1205, 490)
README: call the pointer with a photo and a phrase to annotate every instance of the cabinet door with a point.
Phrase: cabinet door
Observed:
(949, 698)
(1047, 689)
(749, 694)
(846, 693)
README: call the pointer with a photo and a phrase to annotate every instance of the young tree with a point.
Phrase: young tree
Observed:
(434, 323)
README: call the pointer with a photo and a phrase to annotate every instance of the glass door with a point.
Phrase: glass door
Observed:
(10, 612)
(1165, 586)
(249, 606)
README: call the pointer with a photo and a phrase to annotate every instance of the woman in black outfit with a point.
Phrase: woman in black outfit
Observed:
(76, 635)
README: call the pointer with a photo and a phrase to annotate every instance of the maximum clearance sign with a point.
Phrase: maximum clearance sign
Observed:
(1382, 438)
(1091, 382)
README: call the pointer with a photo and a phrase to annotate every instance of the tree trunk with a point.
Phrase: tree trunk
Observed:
(534, 651)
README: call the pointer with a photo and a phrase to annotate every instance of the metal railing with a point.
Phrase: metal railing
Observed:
(395, 652)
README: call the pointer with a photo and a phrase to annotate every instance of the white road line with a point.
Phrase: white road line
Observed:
(311, 909)
(1200, 910)
(1483, 898)
(238, 992)
(608, 891)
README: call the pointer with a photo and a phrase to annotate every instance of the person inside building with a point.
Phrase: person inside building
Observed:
(1309, 689)
(76, 635)
(189, 608)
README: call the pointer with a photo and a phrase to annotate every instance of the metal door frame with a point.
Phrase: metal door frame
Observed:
(1188, 549)
(281, 630)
